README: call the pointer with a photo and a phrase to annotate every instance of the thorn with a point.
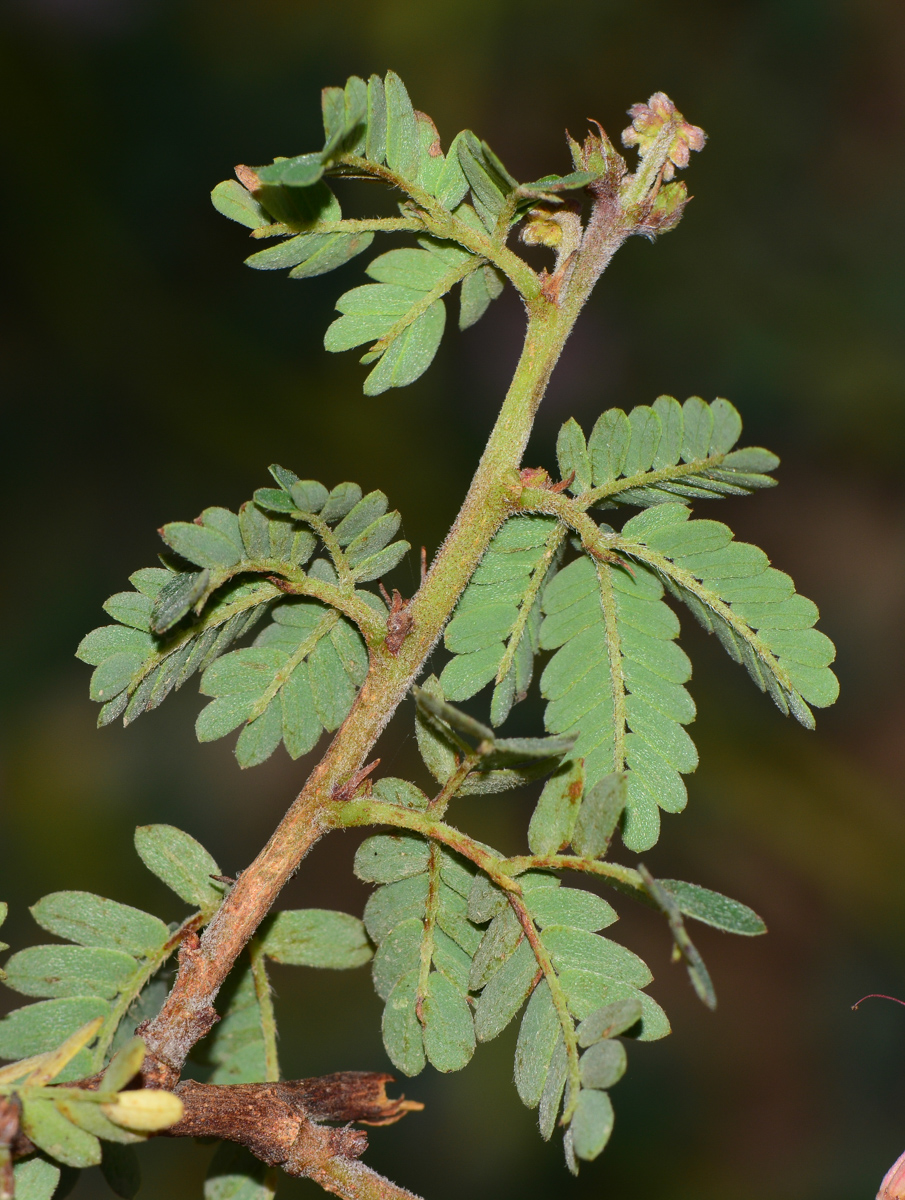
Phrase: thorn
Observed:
(563, 484)
(385, 594)
(347, 790)
(283, 584)
(223, 879)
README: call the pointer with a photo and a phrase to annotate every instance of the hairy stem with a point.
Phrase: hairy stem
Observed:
(377, 812)
(492, 496)
(560, 1003)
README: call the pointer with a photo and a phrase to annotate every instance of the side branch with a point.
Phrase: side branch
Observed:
(281, 1124)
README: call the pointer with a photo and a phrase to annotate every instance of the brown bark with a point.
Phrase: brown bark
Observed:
(280, 1123)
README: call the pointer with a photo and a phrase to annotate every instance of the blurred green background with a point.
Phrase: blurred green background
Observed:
(148, 374)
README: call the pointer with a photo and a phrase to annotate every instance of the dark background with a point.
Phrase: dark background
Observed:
(148, 374)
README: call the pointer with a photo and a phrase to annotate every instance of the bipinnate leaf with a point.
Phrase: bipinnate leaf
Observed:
(403, 316)
(316, 937)
(304, 670)
(182, 864)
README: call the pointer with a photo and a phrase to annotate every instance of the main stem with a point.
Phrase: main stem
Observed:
(494, 491)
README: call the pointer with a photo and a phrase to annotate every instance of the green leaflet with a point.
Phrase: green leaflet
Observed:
(571, 907)
(303, 672)
(684, 449)
(615, 680)
(537, 1038)
(751, 607)
(182, 863)
(494, 632)
(592, 1124)
(36, 1179)
(51, 1132)
(63, 971)
(315, 937)
(713, 908)
(91, 920)
(235, 1174)
(43, 1026)
(426, 943)
(311, 254)
(488, 179)
(557, 810)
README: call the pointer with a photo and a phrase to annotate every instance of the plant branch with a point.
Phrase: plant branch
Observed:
(281, 1124)
(493, 495)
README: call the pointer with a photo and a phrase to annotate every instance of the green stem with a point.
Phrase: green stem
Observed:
(614, 654)
(431, 909)
(377, 812)
(554, 541)
(264, 997)
(439, 221)
(625, 879)
(560, 1003)
(323, 627)
(372, 225)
